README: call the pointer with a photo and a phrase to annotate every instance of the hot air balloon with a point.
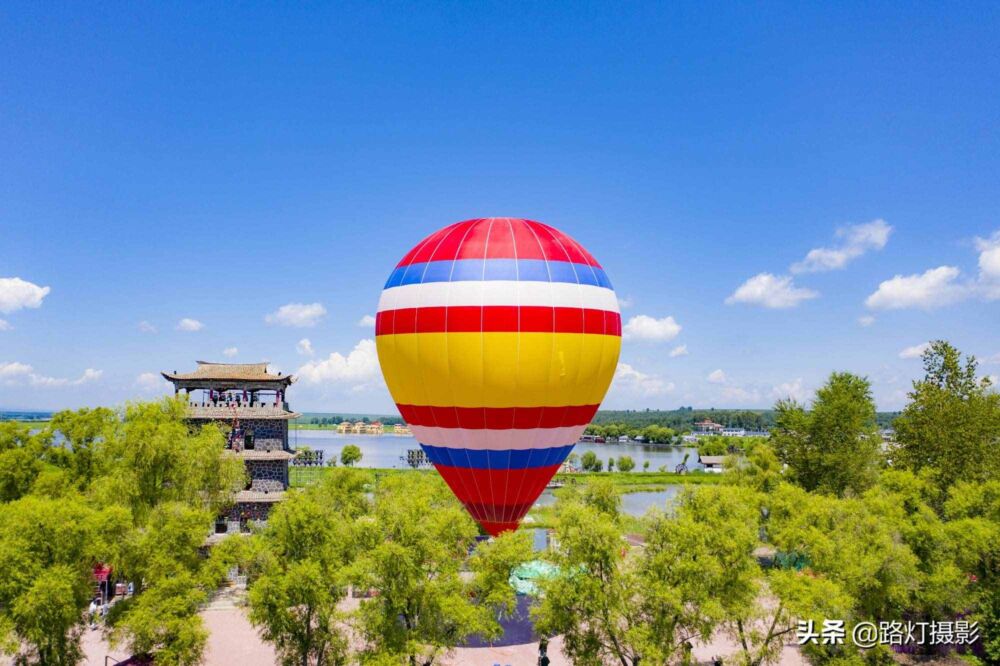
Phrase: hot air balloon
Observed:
(498, 338)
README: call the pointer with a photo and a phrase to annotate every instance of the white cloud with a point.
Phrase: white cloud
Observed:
(679, 350)
(189, 325)
(304, 347)
(89, 375)
(12, 372)
(629, 379)
(931, 289)
(717, 377)
(17, 294)
(795, 389)
(5, 325)
(367, 321)
(626, 302)
(866, 320)
(994, 380)
(943, 285)
(230, 352)
(297, 315)
(731, 392)
(989, 266)
(146, 327)
(739, 395)
(12, 369)
(358, 369)
(992, 360)
(916, 351)
(989, 255)
(151, 382)
(770, 291)
(644, 327)
(855, 240)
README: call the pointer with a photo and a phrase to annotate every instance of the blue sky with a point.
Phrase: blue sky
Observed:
(215, 163)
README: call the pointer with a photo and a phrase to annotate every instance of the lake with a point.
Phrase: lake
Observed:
(389, 451)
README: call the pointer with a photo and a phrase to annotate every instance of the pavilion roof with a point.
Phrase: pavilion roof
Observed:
(229, 372)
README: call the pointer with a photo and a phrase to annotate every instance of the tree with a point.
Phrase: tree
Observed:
(45, 545)
(86, 431)
(715, 445)
(834, 448)
(760, 470)
(164, 620)
(22, 458)
(615, 604)
(611, 464)
(156, 457)
(350, 455)
(761, 627)
(158, 483)
(163, 558)
(849, 543)
(309, 543)
(657, 434)
(410, 554)
(18, 470)
(493, 564)
(47, 616)
(645, 466)
(973, 511)
(589, 462)
(625, 463)
(951, 427)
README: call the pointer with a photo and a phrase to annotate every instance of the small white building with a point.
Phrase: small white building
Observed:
(712, 463)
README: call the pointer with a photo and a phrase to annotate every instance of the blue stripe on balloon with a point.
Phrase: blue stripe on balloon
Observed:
(474, 270)
(508, 459)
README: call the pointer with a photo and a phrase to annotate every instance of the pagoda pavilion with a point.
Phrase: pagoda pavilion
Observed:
(250, 402)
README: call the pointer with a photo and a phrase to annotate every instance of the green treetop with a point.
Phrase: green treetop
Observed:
(951, 427)
(835, 447)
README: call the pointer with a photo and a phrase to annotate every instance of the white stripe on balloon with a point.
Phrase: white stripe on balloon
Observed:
(498, 292)
(497, 440)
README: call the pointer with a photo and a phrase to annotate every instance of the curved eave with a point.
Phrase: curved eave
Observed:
(186, 381)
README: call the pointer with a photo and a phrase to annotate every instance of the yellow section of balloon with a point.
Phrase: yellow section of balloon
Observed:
(508, 369)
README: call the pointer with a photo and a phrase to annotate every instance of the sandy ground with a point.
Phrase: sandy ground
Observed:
(233, 642)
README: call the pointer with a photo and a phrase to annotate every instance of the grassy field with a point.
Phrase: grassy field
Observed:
(543, 516)
(627, 481)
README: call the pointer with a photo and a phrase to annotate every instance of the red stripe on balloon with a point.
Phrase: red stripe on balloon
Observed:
(497, 498)
(498, 318)
(498, 238)
(497, 418)
(497, 487)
